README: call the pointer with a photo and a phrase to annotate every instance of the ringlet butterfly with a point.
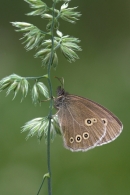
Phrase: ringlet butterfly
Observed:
(84, 123)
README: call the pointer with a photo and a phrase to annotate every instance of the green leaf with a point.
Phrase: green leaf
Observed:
(39, 127)
(12, 87)
(36, 126)
(55, 61)
(47, 16)
(16, 90)
(43, 89)
(69, 14)
(61, 0)
(55, 124)
(34, 36)
(24, 87)
(42, 53)
(35, 94)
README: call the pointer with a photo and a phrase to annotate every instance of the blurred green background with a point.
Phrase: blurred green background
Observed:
(102, 74)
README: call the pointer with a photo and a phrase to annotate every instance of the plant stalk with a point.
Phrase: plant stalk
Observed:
(51, 103)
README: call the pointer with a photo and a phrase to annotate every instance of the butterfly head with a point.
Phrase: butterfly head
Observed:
(61, 91)
(60, 99)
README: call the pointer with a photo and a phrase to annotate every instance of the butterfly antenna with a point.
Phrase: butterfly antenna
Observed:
(61, 81)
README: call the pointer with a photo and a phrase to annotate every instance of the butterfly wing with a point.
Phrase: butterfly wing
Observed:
(113, 124)
(81, 126)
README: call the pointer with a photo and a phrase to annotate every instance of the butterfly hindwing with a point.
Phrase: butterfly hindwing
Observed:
(113, 125)
(84, 123)
(82, 129)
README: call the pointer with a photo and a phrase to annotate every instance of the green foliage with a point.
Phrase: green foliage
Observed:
(39, 89)
(39, 127)
(36, 38)
(47, 43)
(36, 126)
(39, 6)
(14, 83)
(69, 14)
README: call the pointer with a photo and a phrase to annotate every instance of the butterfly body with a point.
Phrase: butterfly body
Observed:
(84, 124)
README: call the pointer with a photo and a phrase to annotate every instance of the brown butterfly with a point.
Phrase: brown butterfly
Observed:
(84, 124)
